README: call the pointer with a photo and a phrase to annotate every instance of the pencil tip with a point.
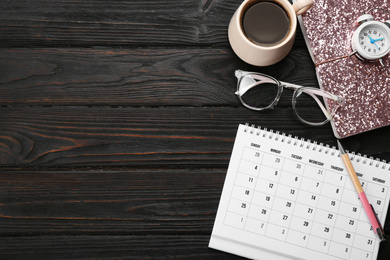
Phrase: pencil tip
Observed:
(341, 149)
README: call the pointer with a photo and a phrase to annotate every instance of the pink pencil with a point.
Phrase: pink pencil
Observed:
(367, 206)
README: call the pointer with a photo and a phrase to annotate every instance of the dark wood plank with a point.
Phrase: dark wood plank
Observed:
(135, 77)
(115, 23)
(111, 247)
(109, 202)
(69, 136)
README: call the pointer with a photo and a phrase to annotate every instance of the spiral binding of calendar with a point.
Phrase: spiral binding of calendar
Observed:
(313, 145)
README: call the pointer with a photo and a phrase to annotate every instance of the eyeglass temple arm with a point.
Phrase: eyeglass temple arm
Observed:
(290, 85)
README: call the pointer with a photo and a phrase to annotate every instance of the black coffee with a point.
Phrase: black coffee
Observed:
(266, 23)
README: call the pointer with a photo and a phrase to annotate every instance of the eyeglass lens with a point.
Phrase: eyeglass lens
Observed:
(307, 108)
(259, 92)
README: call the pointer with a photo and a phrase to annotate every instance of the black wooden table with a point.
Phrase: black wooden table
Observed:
(117, 120)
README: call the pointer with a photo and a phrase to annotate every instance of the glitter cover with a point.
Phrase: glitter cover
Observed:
(328, 27)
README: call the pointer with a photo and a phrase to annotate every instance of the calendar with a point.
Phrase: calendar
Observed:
(290, 198)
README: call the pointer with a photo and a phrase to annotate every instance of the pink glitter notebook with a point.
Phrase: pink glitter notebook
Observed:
(328, 27)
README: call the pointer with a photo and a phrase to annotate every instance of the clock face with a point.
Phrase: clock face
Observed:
(372, 40)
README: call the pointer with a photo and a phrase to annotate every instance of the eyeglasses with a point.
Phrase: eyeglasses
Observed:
(259, 92)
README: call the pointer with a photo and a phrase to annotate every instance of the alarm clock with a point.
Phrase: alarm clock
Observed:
(371, 40)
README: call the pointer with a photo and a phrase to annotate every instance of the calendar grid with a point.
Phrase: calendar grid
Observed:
(256, 177)
(257, 174)
(346, 246)
(297, 199)
(300, 188)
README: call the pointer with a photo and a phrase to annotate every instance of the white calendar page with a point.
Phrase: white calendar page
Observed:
(285, 198)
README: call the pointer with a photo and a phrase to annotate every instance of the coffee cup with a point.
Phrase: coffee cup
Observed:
(262, 32)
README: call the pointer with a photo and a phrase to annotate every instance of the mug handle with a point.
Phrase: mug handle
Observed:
(301, 6)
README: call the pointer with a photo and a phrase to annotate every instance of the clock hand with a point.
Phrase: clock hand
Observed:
(379, 39)
(377, 46)
(373, 41)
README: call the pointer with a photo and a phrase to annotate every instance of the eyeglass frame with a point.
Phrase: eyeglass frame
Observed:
(313, 92)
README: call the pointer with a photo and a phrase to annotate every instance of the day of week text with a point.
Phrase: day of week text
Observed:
(336, 168)
(378, 180)
(255, 145)
(296, 156)
(316, 162)
(275, 151)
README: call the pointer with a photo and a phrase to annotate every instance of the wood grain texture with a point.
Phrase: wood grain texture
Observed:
(111, 247)
(147, 136)
(115, 23)
(117, 122)
(135, 77)
(110, 202)
(86, 23)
